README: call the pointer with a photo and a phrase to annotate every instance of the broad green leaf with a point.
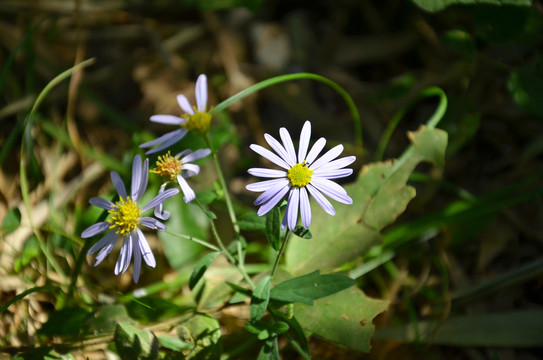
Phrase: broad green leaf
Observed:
(344, 318)
(252, 222)
(134, 343)
(310, 287)
(172, 343)
(260, 298)
(521, 329)
(104, 319)
(379, 195)
(270, 350)
(273, 228)
(203, 333)
(206, 197)
(11, 221)
(438, 5)
(186, 219)
(65, 322)
(201, 267)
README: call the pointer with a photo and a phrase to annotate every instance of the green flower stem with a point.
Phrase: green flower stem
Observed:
(191, 238)
(280, 253)
(225, 252)
(357, 124)
(229, 205)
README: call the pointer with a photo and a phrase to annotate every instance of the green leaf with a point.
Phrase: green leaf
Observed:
(379, 196)
(104, 319)
(201, 267)
(65, 322)
(31, 251)
(310, 287)
(172, 343)
(270, 350)
(302, 232)
(520, 329)
(260, 298)
(273, 228)
(134, 343)
(202, 331)
(239, 289)
(185, 219)
(151, 309)
(206, 197)
(344, 318)
(252, 222)
(438, 5)
(11, 221)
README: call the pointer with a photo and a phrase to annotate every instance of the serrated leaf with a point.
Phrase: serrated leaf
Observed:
(134, 343)
(273, 228)
(438, 5)
(307, 288)
(344, 318)
(201, 267)
(252, 222)
(379, 195)
(260, 298)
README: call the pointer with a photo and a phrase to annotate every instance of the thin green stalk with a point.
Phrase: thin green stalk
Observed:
(280, 253)
(357, 124)
(25, 293)
(191, 238)
(229, 205)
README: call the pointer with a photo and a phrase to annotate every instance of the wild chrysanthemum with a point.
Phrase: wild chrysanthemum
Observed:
(195, 118)
(125, 220)
(178, 167)
(302, 175)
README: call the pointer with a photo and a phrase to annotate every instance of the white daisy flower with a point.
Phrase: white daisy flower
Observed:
(126, 218)
(301, 176)
(195, 118)
(178, 167)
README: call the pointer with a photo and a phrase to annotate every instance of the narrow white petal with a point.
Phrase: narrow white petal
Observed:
(338, 163)
(321, 200)
(287, 143)
(146, 250)
(137, 258)
(167, 119)
(333, 173)
(136, 177)
(109, 238)
(95, 229)
(144, 180)
(263, 210)
(201, 93)
(292, 207)
(271, 192)
(190, 170)
(265, 185)
(118, 184)
(152, 223)
(159, 199)
(305, 135)
(305, 208)
(270, 156)
(159, 212)
(160, 139)
(176, 136)
(185, 104)
(279, 149)
(267, 173)
(332, 190)
(122, 255)
(102, 203)
(196, 155)
(315, 150)
(327, 157)
(188, 193)
(103, 253)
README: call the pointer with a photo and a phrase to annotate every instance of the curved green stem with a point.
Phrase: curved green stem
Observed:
(357, 124)
(434, 120)
(280, 253)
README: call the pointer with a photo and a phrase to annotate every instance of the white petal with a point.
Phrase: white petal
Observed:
(167, 119)
(196, 155)
(333, 173)
(305, 208)
(118, 184)
(201, 93)
(137, 259)
(176, 136)
(146, 250)
(305, 135)
(315, 150)
(144, 180)
(332, 190)
(185, 104)
(95, 229)
(160, 139)
(188, 193)
(289, 146)
(190, 170)
(124, 257)
(265, 185)
(292, 207)
(103, 253)
(102, 203)
(270, 192)
(263, 210)
(279, 149)
(327, 157)
(338, 163)
(136, 177)
(267, 173)
(321, 200)
(109, 238)
(270, 156)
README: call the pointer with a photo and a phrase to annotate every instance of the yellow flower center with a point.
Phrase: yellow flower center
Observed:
(198, 122)
(168, 166)
(125, 216)
(299, 175)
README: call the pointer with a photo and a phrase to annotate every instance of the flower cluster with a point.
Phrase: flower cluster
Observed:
(126, 215)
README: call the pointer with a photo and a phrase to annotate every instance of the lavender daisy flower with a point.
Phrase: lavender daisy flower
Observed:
(195, 118)
(303, 175)
(126, 218)
(178, 167)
